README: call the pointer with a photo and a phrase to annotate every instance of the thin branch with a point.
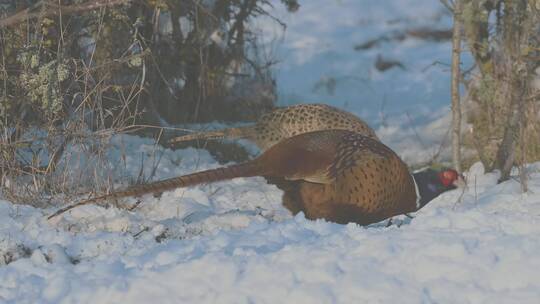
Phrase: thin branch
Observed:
(448, 5)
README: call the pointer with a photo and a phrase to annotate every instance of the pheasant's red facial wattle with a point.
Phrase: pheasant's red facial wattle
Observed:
(448, 177)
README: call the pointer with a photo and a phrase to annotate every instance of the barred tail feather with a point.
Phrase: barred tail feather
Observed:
(231, 133)
(209, 176)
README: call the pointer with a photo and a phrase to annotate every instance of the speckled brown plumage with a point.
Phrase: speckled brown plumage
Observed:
(338, 175)
(368, 183)
(286, 122)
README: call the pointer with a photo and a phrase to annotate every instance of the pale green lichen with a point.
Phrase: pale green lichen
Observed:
(135, 61)
(44, 85)
(34, 61)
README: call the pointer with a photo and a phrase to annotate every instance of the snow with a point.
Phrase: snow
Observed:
(233, 242)
(474, 246)
(319, 44)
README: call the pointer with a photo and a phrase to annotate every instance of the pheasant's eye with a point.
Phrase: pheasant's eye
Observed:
(448, 177)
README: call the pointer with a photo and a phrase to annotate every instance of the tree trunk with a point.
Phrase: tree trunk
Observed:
(507, 150)
(456, 106)
(515, 35)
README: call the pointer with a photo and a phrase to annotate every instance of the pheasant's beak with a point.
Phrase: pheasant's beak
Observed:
(460, 181)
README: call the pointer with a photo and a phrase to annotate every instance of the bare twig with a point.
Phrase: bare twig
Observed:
(449, 5)
(420, 141)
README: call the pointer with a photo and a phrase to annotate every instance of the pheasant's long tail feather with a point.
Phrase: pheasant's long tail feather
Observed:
(251, 168)
(230, 133)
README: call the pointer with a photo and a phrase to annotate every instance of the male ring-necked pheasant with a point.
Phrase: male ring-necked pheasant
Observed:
(285, 122)
(343, 177)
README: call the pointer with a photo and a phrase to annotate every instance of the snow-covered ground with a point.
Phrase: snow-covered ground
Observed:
(233, 242)
(320, 62)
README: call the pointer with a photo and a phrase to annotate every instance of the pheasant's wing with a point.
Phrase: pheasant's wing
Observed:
(300, 162)
(320, 156)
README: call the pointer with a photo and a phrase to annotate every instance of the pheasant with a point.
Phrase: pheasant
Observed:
(286, 122)
(342, 177)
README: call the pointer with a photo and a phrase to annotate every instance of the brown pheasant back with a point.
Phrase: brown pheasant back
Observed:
(298, 119)
(286, 122)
